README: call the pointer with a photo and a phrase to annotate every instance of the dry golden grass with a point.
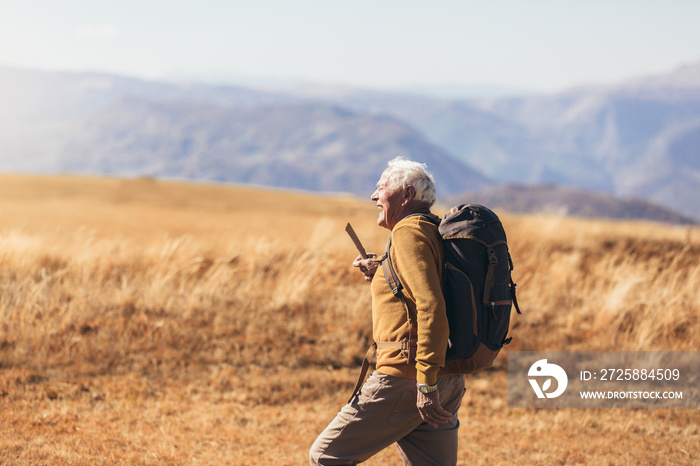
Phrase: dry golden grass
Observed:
(144, 322)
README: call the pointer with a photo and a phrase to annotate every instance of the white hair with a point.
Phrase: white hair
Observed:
(403, 173)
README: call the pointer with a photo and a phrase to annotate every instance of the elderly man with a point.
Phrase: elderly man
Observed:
(410, 400)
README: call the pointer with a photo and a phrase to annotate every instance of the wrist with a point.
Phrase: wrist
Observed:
(426, 378)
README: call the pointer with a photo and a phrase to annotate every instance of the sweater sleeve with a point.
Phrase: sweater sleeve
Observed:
(417, 255)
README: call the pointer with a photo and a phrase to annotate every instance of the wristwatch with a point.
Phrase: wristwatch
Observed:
(425, 389)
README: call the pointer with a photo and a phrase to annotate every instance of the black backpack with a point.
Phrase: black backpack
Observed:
(478, 289)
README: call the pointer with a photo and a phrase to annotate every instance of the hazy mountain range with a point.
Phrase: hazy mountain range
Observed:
(568, 200)
(639, 139)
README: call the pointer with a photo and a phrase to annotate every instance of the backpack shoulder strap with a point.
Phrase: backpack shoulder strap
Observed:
(390, 274)
(396, 287)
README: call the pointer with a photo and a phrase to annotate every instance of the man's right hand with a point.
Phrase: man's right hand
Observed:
(430, 409)
(368, 266)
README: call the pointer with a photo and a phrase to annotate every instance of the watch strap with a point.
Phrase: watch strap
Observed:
(426, 389)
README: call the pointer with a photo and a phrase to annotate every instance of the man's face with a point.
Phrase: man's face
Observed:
(391, 203)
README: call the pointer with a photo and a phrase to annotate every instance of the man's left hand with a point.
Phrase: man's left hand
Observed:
(430, 409)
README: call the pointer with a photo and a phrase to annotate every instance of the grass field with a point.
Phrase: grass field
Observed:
(145, 322)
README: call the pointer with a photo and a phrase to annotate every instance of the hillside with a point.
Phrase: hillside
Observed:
(150, 322)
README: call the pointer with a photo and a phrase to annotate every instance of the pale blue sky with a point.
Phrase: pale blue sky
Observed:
(389, 44)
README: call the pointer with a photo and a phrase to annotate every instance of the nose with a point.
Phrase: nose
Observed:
(375, 195)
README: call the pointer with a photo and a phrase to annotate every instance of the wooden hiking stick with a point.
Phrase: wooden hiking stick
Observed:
(356, 240)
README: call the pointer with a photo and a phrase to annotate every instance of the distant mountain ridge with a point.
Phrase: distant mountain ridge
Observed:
(310, 146)
(97, 123)
(567, 200)
(637, 139)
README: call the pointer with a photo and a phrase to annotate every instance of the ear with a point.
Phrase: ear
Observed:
(409, 194)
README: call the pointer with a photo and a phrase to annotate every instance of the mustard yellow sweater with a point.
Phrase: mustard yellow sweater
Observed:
(417, 256)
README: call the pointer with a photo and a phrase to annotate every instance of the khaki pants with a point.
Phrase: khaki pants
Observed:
(385, 412)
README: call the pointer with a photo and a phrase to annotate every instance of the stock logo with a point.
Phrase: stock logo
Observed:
(542, 370)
